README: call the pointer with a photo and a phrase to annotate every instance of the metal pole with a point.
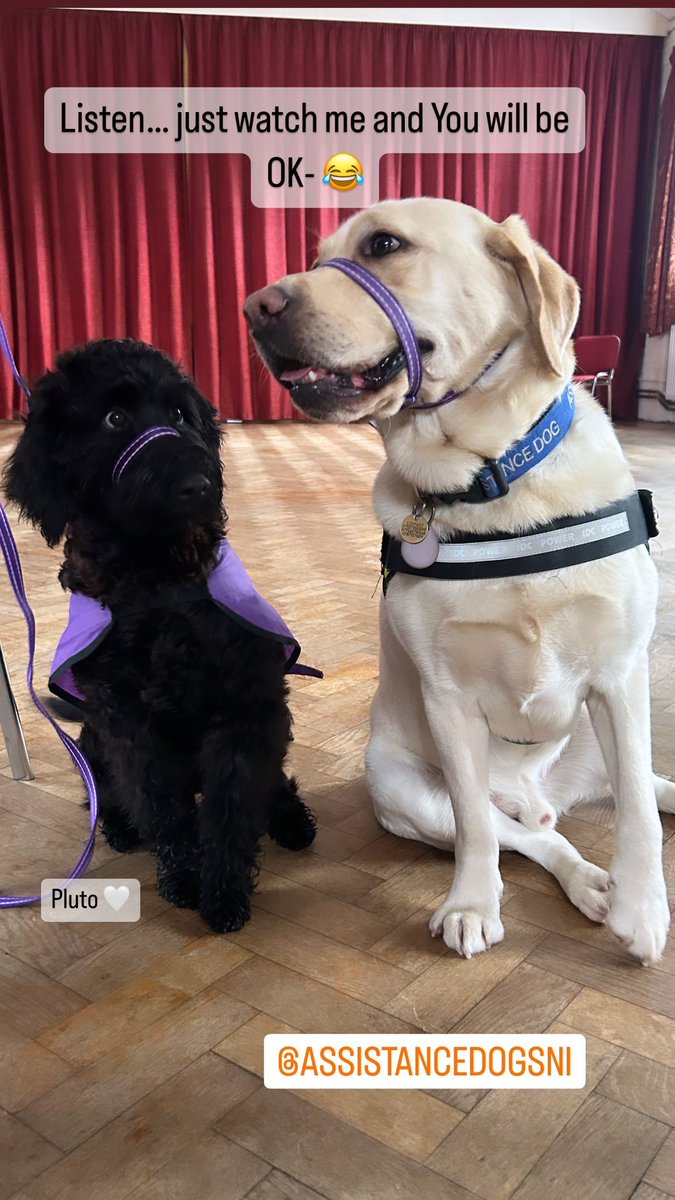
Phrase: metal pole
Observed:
(10, 724)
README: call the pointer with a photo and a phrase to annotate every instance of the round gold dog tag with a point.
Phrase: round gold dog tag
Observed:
(414, 529)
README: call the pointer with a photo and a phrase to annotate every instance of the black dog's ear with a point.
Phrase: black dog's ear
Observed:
(209, 426)
(31, 477)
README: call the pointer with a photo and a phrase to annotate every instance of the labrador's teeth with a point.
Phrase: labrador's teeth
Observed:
(312, 376)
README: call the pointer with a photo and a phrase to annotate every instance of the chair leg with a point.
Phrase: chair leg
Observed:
(11, 727)
(609, 399)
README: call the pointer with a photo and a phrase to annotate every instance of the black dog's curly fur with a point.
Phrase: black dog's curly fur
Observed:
(182, 701)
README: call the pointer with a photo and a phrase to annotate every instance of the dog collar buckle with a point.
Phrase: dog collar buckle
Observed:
(492, 480)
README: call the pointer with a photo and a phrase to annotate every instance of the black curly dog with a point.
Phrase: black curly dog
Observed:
(181, 700)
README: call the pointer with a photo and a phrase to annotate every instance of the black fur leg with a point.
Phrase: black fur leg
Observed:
(291, 823)
(227, 910)
(241, 762)
(117, 827)
(177, 882)
(118, 832)
(178, 856)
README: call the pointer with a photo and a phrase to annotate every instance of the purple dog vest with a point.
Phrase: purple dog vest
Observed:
(229, 586)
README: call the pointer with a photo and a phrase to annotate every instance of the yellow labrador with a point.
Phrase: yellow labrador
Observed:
(530, 691)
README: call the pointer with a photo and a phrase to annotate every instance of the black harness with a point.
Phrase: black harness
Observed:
(565, 542)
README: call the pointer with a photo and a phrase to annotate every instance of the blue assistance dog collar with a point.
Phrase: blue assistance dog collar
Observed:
(565, 542)
(495, 478)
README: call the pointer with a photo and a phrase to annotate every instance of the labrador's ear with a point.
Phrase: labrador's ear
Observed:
(31, 477)
(552, 295)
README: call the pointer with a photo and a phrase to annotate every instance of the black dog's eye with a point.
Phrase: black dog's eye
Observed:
(177, 416)
(115, 419)
(383, 243)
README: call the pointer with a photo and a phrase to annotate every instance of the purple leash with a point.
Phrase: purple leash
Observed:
(13, 565)
(393, 308)
(7, 351)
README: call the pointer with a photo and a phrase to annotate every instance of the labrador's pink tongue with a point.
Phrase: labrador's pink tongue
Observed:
(291, 376)
(315, 373)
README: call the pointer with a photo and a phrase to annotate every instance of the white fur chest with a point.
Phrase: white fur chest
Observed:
(525, 651)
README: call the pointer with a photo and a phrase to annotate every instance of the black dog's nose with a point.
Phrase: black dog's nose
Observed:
(194, 488)
(265, 306)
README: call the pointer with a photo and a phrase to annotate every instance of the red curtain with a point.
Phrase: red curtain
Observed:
(90, 245)
(660, 290)
(157, 248)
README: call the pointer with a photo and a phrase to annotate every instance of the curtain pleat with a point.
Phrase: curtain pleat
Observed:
(659, 311)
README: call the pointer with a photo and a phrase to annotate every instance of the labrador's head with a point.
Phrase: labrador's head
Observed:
(470, 287)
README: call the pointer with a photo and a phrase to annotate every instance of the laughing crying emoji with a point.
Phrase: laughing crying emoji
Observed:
(343, 172)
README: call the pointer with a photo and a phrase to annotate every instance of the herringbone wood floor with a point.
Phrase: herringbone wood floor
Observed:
(130, 1055)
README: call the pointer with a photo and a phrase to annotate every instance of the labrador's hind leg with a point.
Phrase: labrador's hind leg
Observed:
(585, 884)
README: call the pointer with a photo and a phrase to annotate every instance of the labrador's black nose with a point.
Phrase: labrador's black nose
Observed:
(265, 306)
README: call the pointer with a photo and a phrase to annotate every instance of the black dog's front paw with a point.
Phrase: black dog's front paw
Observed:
(120, 834)
(293, 826)
(228, 912)
(179, 885)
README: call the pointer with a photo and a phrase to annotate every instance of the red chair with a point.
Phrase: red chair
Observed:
(596, 361)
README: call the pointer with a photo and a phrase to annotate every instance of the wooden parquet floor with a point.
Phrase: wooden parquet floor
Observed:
(131, 1055)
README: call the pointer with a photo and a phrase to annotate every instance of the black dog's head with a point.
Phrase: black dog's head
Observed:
(82, 417)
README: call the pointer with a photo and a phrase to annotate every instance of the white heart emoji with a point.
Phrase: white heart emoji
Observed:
(116, 896)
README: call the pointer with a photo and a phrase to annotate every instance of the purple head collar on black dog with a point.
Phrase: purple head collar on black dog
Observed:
(138, 444)
(404, 331)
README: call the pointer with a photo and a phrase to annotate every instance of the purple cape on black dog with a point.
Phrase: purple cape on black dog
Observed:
(229, 586)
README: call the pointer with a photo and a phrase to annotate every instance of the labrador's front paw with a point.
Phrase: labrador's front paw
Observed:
(467, 928)
(639, 914)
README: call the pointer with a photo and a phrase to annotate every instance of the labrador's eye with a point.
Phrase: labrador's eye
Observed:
(115, 419)
(177, 417)
(383, 243)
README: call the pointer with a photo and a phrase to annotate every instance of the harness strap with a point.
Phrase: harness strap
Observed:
(565, 542)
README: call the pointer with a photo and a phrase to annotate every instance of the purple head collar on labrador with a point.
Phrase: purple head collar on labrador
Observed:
(393, 308)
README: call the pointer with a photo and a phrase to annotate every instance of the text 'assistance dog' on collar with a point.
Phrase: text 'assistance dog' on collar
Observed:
(403, 329)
